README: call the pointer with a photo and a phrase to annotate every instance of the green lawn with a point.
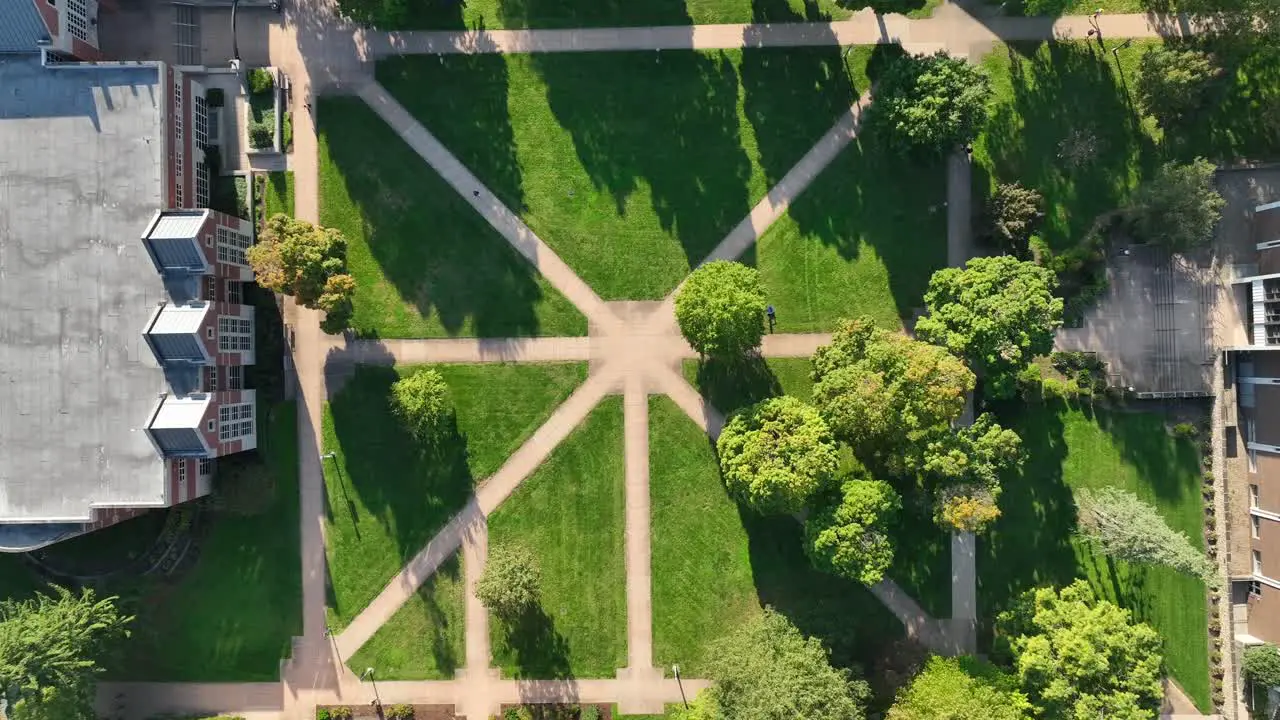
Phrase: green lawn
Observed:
(278, 196)
(425, 263)
(426, 638)
(634, 165)
(1031, 544)
(497, 14)
(569, 513)
(386, 497)
(1079, 7)
(232, 615)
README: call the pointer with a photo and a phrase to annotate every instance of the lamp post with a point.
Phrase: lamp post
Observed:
(368, 673)
(676, 669)
(1115, 51)
(235, 46)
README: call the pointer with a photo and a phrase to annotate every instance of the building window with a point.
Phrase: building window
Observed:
(210, 289)
(233, 292)
(1257, 562)
(211, 379)
(210, 426)
(206, 467)
(1255, 526)
(179, 168)
(235, 377)
(208, 332)
(182, 471)
(200, 121)
(202, 185)
(1255, 588)
(1253, 496)
(234, 334)
(235, 421)
(231, 246)
(78, 20)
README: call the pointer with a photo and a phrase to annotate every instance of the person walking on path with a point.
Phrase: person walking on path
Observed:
(773, 316)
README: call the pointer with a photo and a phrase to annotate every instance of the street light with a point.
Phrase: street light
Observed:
(1115, 51)
(377, 701)
(676, 669)
(328, 456)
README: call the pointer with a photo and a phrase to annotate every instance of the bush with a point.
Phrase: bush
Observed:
(422, 403)
(323, 714)
(1262, 664)
(215, 98)
(261, 136)
(400, 712)
(511, 582)
(260, 81)
(517, 713)
(342, 712)
(589, 712)
(1185, 430)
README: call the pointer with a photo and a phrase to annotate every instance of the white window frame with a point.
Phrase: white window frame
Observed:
(211, 290)
(235, 292)
(1255, 588)
(235, 377)
(178, 155)
(1257, 562)
(231, 246)
(1255, 527)
(235, 334)
(182, 470)
(200, 121)
(211, 425)
(205, 467)
(235, 421)
(211, 378)
(1253, 496)
(202, 185)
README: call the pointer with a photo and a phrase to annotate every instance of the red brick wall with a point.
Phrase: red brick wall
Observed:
(49, 14)
(182, 490)
(85, 51)
(189, 159)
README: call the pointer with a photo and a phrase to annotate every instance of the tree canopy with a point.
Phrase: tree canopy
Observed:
(960, 689)
(50, 646)
(308, 262)
(1127, 528)
(1262, 664)
(1013, 215)
(1172, 82)
(1179, 207)
(768, 670)
(422, 403)
(720, 309)
(511, 582)
(777, 454)
(882, 392)
(849, 536)
(1078, 657)
(996, 312)
(929, 104)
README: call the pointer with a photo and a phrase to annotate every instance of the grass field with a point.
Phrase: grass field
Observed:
(1031, 544)
(426, 638)
(425, 263)
(496, 14)
(633, 166)
(278, 196)
(569, 513)
(232, 615)
(386, 497)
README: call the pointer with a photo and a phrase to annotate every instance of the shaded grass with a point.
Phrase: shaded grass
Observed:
(232, 615)
(425, 263)
(569, 513)
(426, 638)
(512, 14)
(17, 582)
(632, 165)
(1031, 544)
(387, 497)
(279, 194)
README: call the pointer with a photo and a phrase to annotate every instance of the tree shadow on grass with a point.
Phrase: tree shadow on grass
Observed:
(407, 492)
(730, 385)
(593, 13)
(407, 225)
(1062, 90)
(438, 621)
(667, 121)
(1168, 466)
(922, 553)
(538, 650)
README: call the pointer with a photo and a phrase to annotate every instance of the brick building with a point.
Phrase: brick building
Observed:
(124, 339)
(1253, 437)
(67, 28)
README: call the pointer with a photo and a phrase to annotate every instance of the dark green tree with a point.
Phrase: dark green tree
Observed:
(1262, 664)
(1013, 215)
(720, 309)
(1179, 207)
(849, 536)
(929, 104)
(1173, 83)
(50, 648)
(996, 312)
(777, 454)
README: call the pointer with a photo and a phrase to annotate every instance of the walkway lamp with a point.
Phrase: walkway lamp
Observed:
(368, 673)
(676, 669)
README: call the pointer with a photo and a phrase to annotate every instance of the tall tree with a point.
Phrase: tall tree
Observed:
(511, 582)
(1262, 665)
(777, 454)
(960, 689)
(1013, 214)
(1125, 527)
(929, 104)
(976, 454)
(883, 392)
(849, 537)
(1079, 657)
(422, 403)
(1179, 207)
(996, 312)
(50, 647)
(768, 670)
(308, 262)
(720, 309)
(1172, 82)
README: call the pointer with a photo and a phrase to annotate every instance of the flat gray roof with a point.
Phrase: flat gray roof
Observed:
(80, 179)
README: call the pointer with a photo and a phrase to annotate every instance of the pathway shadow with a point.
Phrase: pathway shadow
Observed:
(406, 491)
(408, 226)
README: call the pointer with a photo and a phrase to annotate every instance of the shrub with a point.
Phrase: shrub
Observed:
(342, 712)
(261, 136)
(215, 98)
(589, 712)
(517, 713)
(777, 454)
(260, 81)
(510, 583)
(421, 401)
(1185, 430)
(400, 712)
(323, 714)
(1262, 664)
(720, 309)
